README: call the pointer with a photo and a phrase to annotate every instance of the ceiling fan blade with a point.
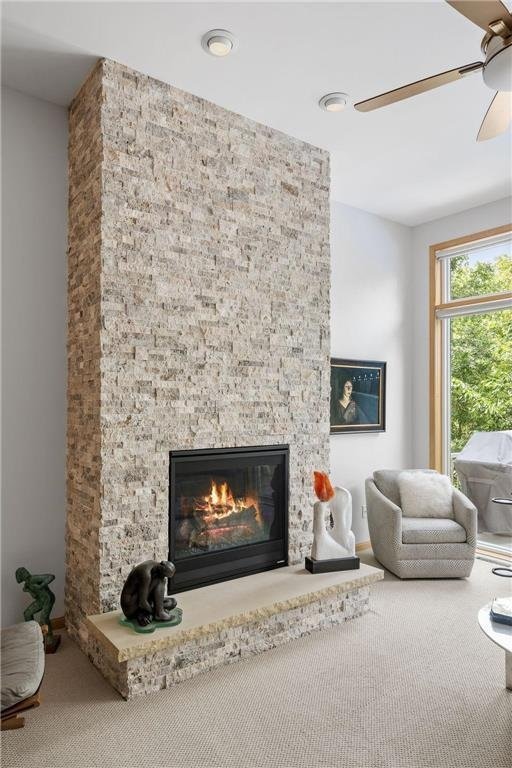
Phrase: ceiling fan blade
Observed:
(420, 86)
(497, 118)
(483, 12)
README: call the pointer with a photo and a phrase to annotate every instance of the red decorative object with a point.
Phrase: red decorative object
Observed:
(323, 488)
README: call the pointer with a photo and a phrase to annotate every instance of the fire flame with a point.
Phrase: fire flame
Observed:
(221, 503)
(220, 494)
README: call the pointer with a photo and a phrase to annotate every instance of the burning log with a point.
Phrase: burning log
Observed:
(219, 520)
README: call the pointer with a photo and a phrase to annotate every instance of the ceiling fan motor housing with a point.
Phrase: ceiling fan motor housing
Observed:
(498, 64)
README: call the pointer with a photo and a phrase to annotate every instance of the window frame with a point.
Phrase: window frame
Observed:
(438, 348)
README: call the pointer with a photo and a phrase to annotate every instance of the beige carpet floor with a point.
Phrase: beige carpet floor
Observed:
(413, 684)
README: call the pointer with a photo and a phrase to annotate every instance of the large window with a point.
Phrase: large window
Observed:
(471, 341)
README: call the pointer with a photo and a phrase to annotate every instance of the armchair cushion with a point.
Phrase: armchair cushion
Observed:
(425, 494)
(431, 530)
(22, 662)
(386, 481)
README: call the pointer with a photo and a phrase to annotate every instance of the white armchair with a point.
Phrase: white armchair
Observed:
(419, 547)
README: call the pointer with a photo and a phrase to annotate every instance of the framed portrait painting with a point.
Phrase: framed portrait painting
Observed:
(358, 396)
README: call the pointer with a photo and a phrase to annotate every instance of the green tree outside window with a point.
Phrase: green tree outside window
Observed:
(480, 352)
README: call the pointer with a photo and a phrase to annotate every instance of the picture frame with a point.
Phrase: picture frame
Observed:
(358, 396)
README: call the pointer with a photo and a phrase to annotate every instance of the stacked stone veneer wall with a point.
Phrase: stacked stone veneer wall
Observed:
(84, 515)
(198, 313)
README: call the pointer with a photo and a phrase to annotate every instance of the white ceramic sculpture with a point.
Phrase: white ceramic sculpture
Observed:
(341, 513)
(338, 541)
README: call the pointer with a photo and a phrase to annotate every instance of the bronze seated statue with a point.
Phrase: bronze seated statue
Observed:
(143, 598)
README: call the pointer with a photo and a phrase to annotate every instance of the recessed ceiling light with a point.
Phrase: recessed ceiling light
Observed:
(218, 42)
(333, 102)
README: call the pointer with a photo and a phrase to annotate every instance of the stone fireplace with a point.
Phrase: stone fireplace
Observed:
(198, 319)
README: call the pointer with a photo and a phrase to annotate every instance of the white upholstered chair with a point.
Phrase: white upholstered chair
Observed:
(419, 547)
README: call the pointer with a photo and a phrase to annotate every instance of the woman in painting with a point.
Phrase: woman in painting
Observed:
(348, 412)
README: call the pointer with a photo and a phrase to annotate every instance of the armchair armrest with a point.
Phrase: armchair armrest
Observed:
(465, 514)
(384, 522)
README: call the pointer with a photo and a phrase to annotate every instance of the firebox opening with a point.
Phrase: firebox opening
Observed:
(218, 520)
(228, 513)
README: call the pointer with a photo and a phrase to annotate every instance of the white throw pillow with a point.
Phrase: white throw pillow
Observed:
(425, 494)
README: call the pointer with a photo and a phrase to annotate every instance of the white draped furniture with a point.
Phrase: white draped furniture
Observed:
(419, 547)
(484, 467)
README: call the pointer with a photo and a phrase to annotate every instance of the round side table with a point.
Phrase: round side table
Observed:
(501, 634)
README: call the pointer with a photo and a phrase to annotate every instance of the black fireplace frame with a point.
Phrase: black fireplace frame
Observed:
(212, 567)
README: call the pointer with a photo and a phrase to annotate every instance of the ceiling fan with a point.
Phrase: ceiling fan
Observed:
(495, 19)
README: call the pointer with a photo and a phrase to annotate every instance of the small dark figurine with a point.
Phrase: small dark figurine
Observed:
(143, 597)
(37, 587)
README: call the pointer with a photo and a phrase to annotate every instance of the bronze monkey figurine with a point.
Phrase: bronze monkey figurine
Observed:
(143, 598)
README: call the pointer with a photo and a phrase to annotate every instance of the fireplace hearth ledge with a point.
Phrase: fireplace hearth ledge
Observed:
(226, 622)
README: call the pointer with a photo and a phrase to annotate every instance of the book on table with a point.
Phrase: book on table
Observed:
(501, 610)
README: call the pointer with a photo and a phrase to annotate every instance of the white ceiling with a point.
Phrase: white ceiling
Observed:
(410, 162)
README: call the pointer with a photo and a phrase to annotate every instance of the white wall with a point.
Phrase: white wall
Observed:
(34, 224)
(438, 231)
(370, 311)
